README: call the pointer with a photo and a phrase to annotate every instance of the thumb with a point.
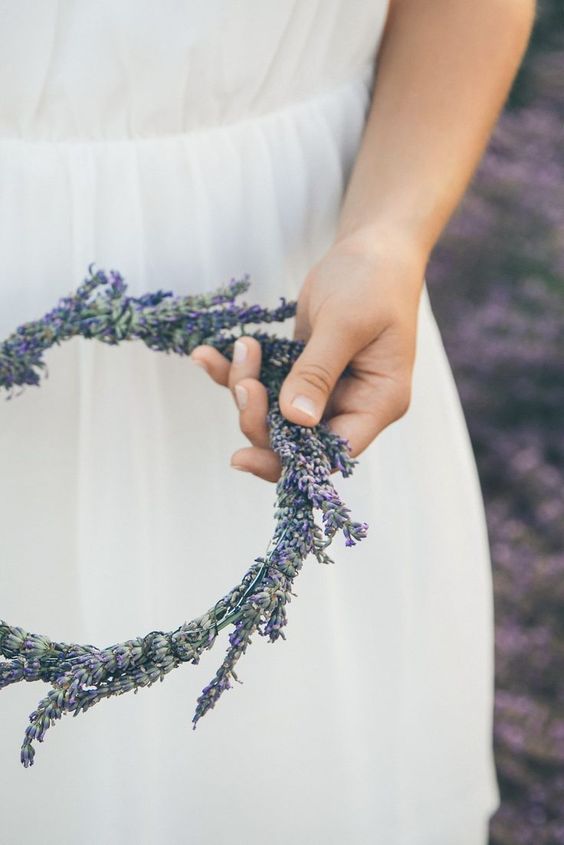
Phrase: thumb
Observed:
(308, 385)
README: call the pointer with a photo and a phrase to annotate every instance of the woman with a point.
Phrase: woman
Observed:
(321, 148)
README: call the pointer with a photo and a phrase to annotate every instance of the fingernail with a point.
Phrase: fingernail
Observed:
(241, 396)
(200, 364)
(239, 352)
(304, 403)
(238, 466)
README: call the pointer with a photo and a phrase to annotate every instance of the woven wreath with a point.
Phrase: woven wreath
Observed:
(82, 675)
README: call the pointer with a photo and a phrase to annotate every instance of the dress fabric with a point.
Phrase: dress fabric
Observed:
(184, 144)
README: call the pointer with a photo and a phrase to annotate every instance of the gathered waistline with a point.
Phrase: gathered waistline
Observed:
(295, 105)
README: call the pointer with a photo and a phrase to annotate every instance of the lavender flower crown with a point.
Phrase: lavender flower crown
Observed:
(82, 675)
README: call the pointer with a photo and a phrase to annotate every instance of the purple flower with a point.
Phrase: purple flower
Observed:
(83, 675)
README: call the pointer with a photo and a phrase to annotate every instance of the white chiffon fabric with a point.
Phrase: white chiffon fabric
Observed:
(185, 144)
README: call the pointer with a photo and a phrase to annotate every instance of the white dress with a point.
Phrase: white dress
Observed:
(183, 144)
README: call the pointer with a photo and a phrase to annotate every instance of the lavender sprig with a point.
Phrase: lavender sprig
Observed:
(82, 675)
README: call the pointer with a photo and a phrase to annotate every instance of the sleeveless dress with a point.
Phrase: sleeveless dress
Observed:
(185, 144)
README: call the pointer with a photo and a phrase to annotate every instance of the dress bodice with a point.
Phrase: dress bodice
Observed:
(81, 70)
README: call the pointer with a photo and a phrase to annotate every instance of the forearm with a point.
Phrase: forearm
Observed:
(445, 68)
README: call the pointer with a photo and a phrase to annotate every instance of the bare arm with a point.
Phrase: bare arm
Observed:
(445, 68)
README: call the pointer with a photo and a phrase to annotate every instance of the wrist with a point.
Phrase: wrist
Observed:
(386, 244)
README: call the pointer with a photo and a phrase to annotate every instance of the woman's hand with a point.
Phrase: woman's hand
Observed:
(358, 306)
(427, 126)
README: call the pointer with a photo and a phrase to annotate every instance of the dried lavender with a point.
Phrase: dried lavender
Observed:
(82, 675)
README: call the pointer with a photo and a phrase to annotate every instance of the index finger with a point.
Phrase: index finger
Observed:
(215, 364)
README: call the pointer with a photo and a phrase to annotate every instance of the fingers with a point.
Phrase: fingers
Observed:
(213, 362)
(264, 463)
(246, 361)
(249, 394)
(306, 389)
(252, 401)
(241, 376)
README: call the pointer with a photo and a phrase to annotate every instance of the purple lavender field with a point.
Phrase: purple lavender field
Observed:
(496, 281)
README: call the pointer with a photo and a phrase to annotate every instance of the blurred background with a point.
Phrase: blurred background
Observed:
(496, 281)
